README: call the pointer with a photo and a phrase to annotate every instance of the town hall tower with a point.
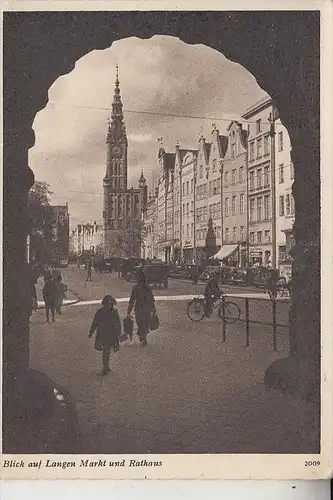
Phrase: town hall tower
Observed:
(123, 208)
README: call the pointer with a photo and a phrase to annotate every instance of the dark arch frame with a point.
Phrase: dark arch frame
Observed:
(281, 49)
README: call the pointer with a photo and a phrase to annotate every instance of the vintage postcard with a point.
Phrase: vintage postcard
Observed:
(167, 240)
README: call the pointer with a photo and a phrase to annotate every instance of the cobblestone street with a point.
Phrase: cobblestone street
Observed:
(187, 392)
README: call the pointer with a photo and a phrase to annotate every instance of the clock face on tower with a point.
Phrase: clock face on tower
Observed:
(117, 151)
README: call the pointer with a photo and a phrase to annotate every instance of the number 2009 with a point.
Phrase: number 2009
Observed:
(312, 463)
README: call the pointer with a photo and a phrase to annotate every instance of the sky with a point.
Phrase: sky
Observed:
(157, 75)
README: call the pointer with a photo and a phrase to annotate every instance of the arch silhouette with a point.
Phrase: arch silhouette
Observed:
(281, 49)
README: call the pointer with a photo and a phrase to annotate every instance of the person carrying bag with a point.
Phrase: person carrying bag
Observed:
(142, 299)
(107, 325)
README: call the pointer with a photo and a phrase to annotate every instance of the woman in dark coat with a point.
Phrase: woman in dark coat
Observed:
(107, 323)
(142, 299)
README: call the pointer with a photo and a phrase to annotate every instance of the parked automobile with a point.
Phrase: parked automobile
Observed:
(129, 264)
(211, 271)
(239, 276)
(157, 273)
(184, 271)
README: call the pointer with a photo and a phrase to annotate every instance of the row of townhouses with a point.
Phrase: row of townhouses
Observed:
(231, 197)
(86, 237)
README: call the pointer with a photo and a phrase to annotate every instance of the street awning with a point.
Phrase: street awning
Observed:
(225, 252)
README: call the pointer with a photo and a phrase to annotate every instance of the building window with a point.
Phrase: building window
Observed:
(183, 188)
(218, 210)
(191, 185)
(280, 141)
(281, 206)
(252, 180)
(192, 206)
(218, 186)
(259, 209)
(266, 145)
(259, 148)
(214, 165)
(242, 203)
(187, 209)
(214, 188)
(292, 171)
(281, 173)
(251, 237)
(288, 204)
(210, 188)
(214, 210)
(205, 213)
(282, 252)
(292, 204)
(259, 237)
(241, 174)
(226, 235)
(233, 177)
(252, 210)
(258, 126)
(201, 171)
(233, 206)
(251, 151)
(267, 236)
(241, 233)
(192, 226)
(234, 234)
(266, 207)
(266, 176)
(226, 179)
(226, 207)
(259, 172)
(187, 187)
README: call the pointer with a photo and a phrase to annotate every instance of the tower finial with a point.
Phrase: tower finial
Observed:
(117, 77)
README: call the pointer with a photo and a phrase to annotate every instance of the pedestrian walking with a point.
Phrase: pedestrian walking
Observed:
(142, 299)
(89, 270)
(50, 297)
(107, 325)
(60, 294)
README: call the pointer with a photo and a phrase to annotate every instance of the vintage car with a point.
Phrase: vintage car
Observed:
(211, 271)
(239, 276)
(184, 271)
(156, 272)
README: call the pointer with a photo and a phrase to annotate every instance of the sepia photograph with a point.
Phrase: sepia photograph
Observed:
(163, 247)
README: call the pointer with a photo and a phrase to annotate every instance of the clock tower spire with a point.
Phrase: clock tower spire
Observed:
(116, 169)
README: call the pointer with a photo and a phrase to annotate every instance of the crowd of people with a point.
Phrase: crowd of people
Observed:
(54, 291)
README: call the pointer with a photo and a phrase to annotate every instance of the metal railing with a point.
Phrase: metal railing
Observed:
(247, 319)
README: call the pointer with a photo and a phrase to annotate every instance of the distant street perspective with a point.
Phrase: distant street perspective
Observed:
(187, 391)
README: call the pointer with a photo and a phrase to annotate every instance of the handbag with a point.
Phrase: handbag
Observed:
(123, 337)
(154, 322)
(98, 345)
(128, 324)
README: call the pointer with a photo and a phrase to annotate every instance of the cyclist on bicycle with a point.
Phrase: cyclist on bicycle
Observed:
(212, 293)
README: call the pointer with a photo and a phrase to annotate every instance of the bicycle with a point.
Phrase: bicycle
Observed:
(282, 291)
(227, 310)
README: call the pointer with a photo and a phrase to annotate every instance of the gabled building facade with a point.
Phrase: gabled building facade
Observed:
(234, 182)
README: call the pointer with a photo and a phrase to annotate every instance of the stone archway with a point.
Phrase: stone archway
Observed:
(280, 48)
